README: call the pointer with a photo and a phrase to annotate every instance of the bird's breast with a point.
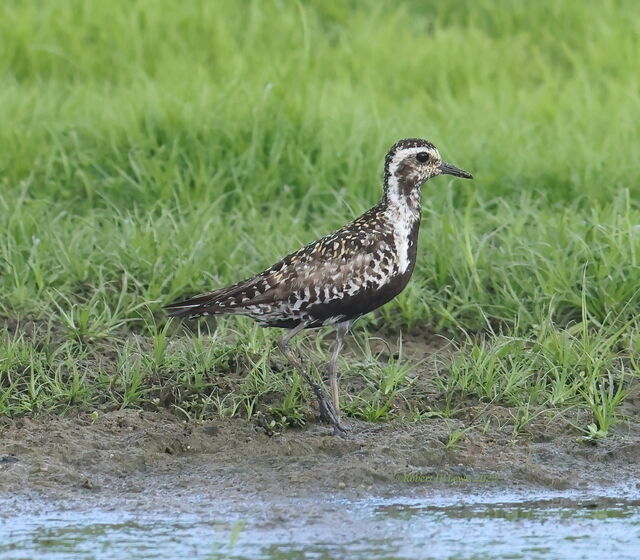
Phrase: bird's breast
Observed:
(405, 224)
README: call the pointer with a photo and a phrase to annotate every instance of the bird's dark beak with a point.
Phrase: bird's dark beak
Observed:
(448, 169)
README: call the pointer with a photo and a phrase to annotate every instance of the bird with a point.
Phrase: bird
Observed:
(342, 276)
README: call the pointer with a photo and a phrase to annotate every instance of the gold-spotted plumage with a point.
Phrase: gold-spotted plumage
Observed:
(343, 275)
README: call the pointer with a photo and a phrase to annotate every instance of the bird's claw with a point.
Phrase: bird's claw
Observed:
(329, 415)
(339, 430)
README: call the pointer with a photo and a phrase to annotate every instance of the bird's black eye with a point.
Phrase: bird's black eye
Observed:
(422, 157)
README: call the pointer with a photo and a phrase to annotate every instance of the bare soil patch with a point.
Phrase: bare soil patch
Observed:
(128, 451)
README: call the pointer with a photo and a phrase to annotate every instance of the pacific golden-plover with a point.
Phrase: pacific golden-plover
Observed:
(342, 276)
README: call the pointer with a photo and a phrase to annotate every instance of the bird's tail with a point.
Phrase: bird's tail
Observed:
(225, 300)
(197, 306)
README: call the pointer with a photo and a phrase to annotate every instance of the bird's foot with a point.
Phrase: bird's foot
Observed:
(339, 430)
(329, 415)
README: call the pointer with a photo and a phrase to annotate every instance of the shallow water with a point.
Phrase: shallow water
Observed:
(444, 524)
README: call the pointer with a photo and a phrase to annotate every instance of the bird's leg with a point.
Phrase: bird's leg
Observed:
(327, 410)
(332, 368)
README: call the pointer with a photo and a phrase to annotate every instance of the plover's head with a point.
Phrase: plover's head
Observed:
(412, 161)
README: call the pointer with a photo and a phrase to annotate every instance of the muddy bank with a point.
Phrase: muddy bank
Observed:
(131, 452)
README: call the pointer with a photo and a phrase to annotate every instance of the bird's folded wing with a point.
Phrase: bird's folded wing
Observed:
(321, 273)
(326, 269)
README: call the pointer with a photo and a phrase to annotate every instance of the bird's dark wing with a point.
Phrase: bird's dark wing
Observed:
(339, 263)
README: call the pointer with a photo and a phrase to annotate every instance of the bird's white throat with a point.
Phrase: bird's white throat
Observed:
(402, 211)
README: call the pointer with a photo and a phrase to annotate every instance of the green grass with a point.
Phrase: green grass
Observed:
(152, 149)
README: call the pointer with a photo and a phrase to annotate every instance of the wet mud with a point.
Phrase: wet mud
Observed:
(133, 453)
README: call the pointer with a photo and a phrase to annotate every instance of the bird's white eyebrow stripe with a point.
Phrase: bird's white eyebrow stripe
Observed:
(404, 152)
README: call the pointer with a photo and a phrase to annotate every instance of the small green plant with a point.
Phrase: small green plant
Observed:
(603, 398)
(226, 550)
(385, 379)
(290, 412)
(454, 438)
